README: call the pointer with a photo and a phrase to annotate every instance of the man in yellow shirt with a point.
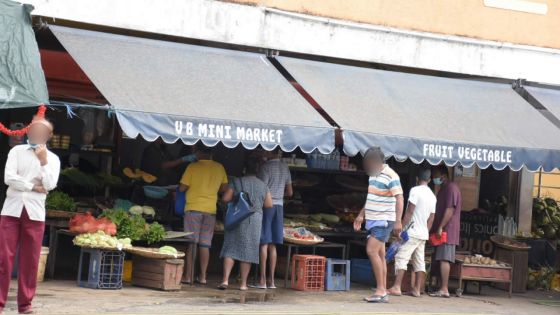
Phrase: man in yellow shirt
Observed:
(202, 181)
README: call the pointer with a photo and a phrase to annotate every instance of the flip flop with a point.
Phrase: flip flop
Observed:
(394, 294)
(28, 311)
(272, 287)
(223, 287)
(200, 283)
(243, 289)
(440, 294)
(257, 286)
(377, 299)
(414, 294)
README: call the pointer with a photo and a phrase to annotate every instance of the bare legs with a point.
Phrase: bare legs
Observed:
(444, 272)
(204, 254)
(376, 253)
(245, 269)
(268, 254)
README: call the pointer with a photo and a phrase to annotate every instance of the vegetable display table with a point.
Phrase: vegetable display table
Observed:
(480, 273)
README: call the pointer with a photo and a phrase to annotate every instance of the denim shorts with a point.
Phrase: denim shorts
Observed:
(273, 226)
(380, 233)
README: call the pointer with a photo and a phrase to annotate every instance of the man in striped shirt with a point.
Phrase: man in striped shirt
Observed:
(382, 213)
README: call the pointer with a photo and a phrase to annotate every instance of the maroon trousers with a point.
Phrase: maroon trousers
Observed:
(28, 235)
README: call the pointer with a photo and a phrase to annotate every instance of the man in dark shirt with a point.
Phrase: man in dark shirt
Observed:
(447, 219)
(157, 161)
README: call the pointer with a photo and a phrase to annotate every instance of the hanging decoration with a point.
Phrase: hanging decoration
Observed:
(21, 132)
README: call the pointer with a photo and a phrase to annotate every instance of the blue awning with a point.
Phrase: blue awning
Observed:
(179, 91)
(427, 118)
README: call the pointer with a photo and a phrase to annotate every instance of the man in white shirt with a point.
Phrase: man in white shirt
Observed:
(420, 210)
(31, 172)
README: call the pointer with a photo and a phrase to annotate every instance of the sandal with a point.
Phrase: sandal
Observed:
(257, 286)
(377, 299)
(440, 294)
(200, 283)
(223, 286)
(27, 311)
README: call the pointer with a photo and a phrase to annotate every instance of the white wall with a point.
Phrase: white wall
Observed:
(270, 28)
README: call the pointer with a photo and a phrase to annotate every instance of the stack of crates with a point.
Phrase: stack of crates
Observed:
(100, 269)
(308, 273)
(337, 276)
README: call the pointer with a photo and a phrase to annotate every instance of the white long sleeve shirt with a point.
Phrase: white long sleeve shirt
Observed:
(24, 171)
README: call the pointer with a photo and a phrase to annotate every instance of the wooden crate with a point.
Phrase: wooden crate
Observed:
(163, 274)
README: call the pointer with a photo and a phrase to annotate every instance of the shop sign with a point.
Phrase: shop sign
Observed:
(227, 132)
(476, 230)
(466, 153)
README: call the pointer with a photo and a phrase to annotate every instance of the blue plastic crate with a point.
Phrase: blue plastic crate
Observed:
(337, 275)
(100, 269)
(361, 272)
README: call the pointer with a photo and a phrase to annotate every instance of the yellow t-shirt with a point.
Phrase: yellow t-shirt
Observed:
(204, 179)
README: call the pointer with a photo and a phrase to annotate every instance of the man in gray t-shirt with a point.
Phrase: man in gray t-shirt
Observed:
(276, 175)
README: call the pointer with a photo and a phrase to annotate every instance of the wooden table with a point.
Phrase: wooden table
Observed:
(479, 273)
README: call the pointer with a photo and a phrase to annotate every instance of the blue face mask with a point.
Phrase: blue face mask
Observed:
(32, 145)
(438, 181)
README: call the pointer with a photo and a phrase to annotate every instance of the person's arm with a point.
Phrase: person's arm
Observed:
(11, 177)
(398, 212)
(268, 201)
(289, 191)
(227, 196)
(186, 179)
(451, 201)
(174, 163)
(446, 218)
(408, 214)
(359, 220)
(50, 171)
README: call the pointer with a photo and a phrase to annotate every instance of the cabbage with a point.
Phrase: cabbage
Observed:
(136, 210)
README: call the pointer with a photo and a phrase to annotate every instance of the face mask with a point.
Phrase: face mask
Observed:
(438, 181)
(32, 145)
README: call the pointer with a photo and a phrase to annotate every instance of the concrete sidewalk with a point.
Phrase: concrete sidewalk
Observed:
(64, 297)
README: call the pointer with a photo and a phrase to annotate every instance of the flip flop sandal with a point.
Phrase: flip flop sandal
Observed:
(256, 286)
(223, 287)
(440, 294)
(272, 287)
(377, 299)
(417, 295)
(200, 283)
(244, 289)
(394, 294)
(28, 311)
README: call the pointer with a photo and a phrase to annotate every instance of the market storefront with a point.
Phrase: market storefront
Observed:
(225, 98)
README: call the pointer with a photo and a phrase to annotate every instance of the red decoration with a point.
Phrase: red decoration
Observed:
(23, 131)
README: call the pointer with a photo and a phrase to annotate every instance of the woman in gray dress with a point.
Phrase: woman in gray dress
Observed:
(242, 243)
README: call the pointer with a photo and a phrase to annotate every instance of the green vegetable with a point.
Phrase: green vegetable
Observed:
(315, 217)
(57, 200)
(80, 178)
(168, 250)
(116, 216)
(330, 218)
(155, 233)
(136, 210)
(133, 227)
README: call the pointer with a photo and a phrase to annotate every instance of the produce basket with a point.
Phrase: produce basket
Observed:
(301, 236)
(508, 243)
(100, 247)
(152, 253)
(298, 241)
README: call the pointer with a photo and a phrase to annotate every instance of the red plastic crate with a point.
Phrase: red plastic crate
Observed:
(308, 272)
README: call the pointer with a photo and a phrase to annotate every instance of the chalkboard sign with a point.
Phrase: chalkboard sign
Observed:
(476, 229)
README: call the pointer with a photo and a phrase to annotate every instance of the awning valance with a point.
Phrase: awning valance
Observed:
(179, 91)
(430, 118)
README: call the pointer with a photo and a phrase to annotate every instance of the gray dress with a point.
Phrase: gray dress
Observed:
(243, 242)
